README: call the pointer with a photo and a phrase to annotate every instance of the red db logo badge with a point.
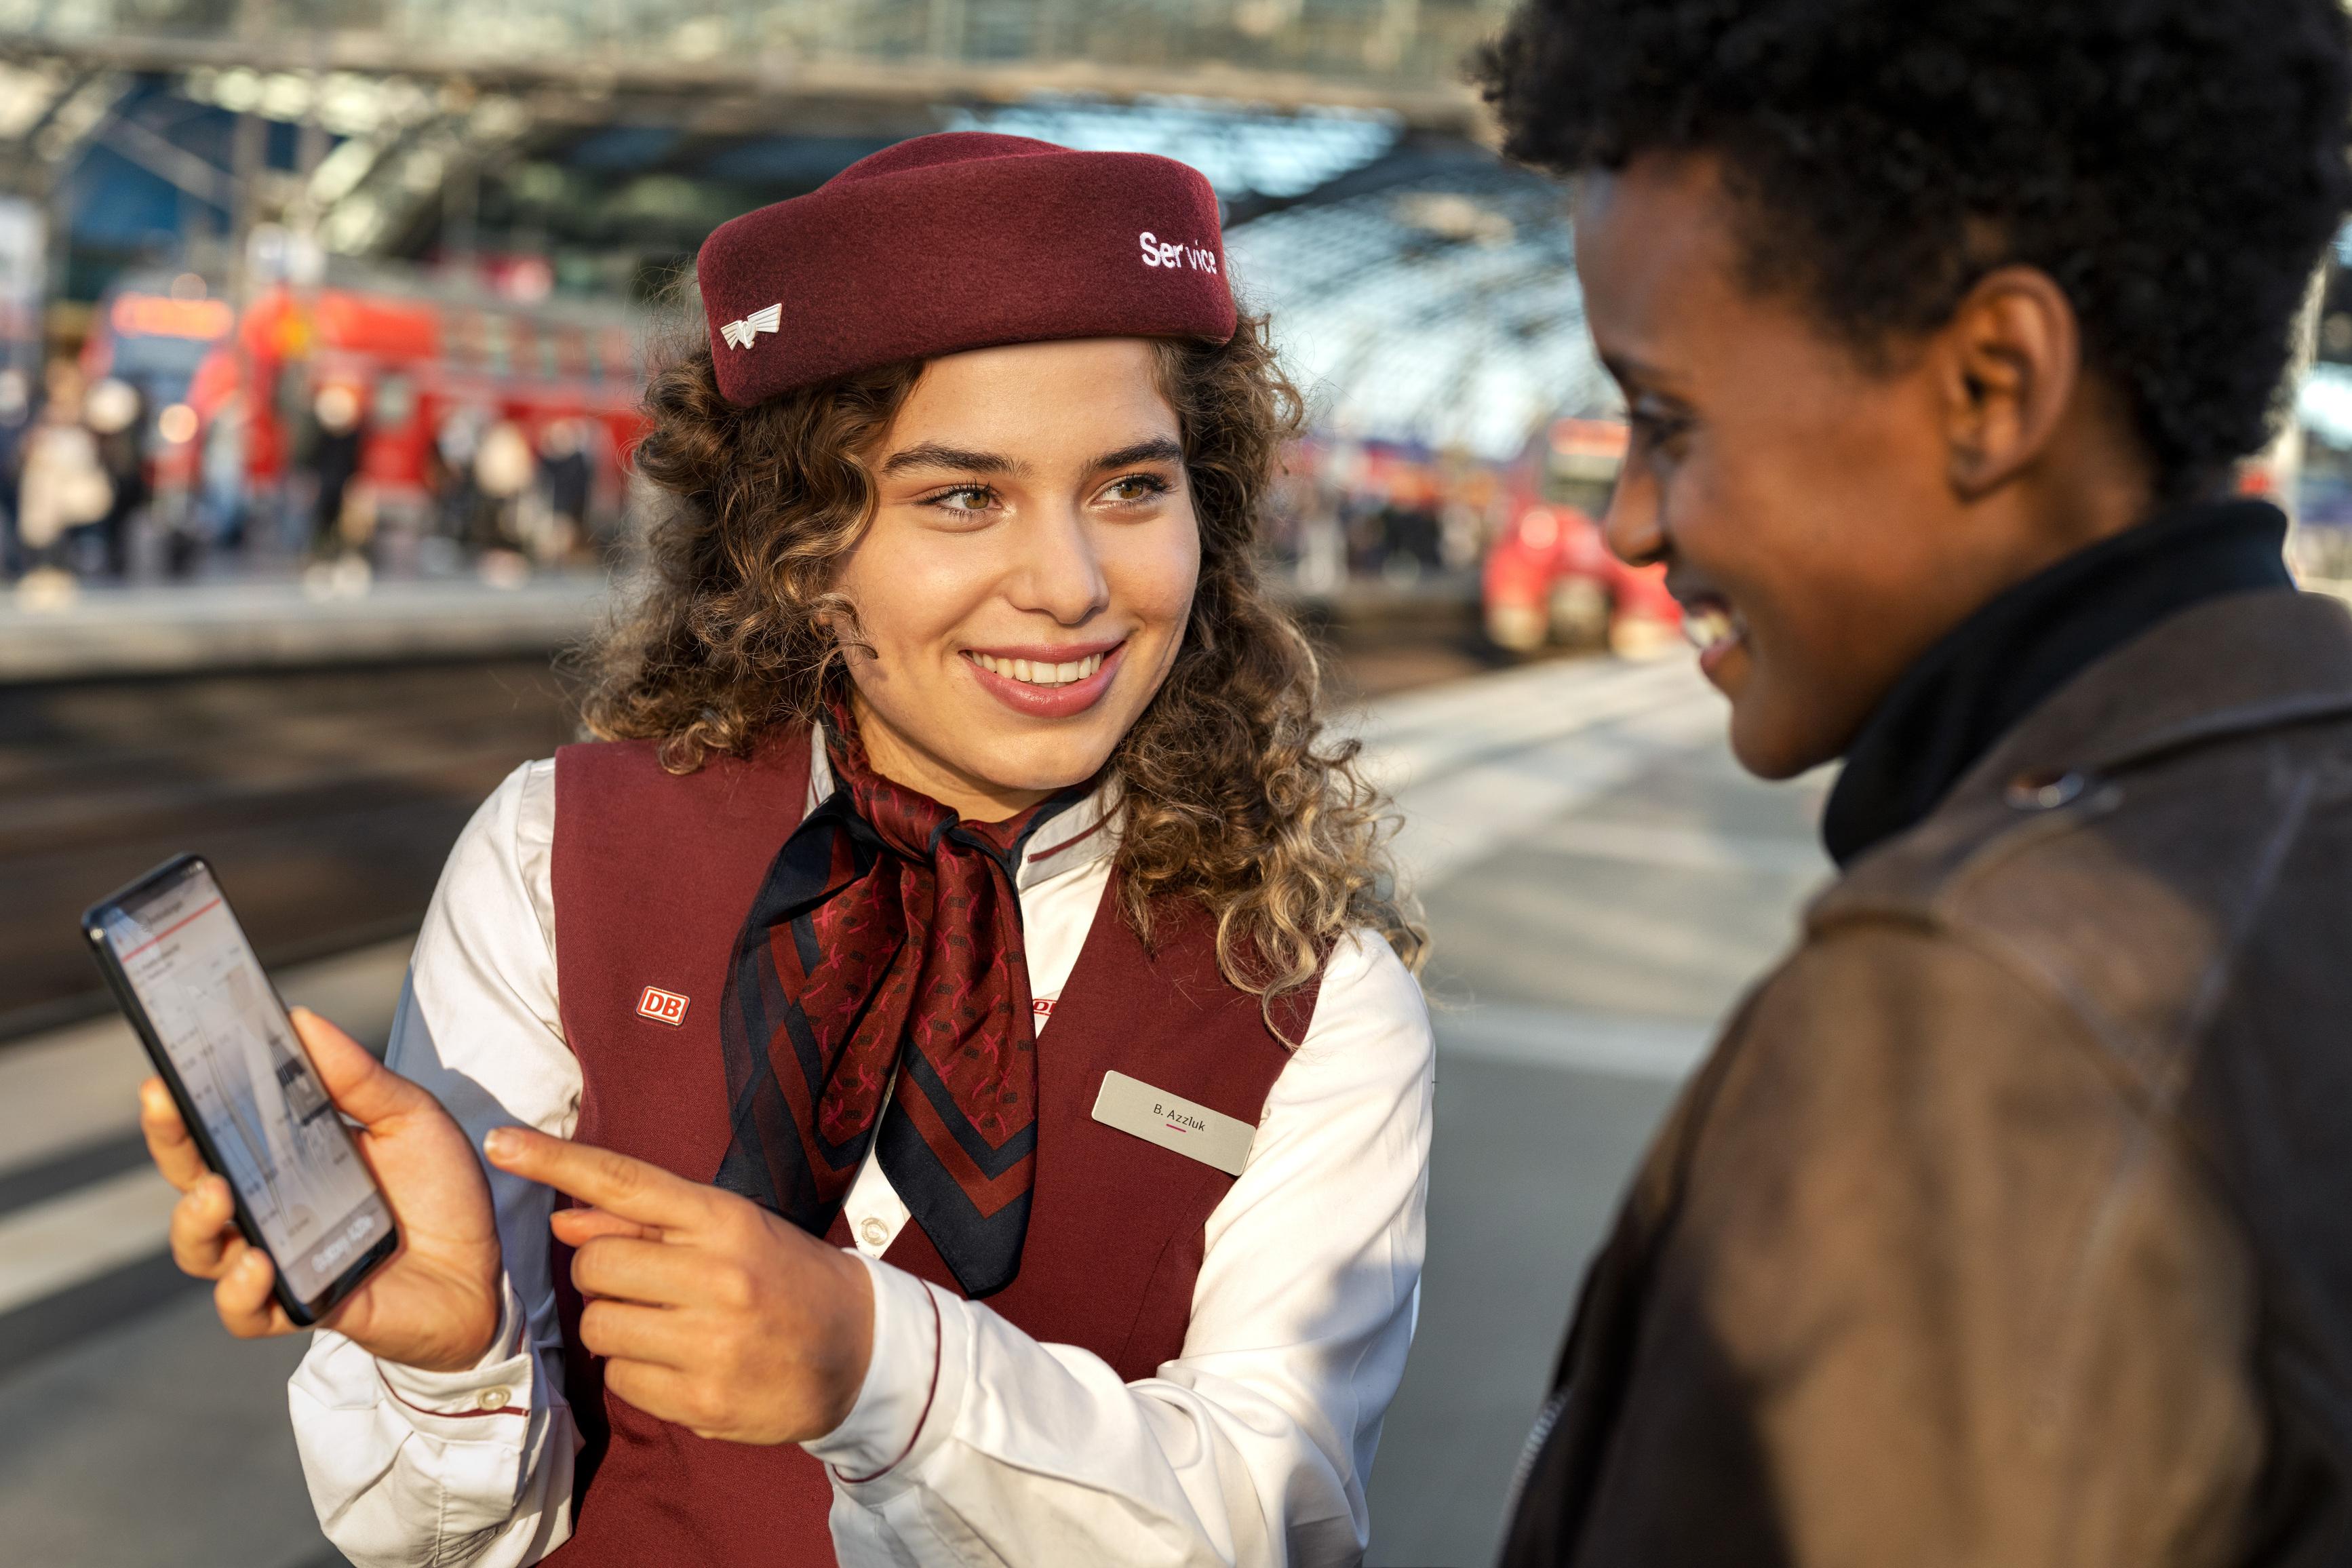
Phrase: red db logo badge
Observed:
(662, 1006)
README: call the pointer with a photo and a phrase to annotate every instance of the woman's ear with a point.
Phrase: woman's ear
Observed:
(2013, 365)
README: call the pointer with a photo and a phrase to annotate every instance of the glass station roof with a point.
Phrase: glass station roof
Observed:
(1440, 311)
(1420, 43)
(1423, 290)
(1241, 153)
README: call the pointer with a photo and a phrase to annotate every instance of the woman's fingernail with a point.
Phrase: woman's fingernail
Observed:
(501, 1143)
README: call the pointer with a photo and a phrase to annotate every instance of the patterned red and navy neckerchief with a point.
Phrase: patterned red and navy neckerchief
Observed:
(883, 946)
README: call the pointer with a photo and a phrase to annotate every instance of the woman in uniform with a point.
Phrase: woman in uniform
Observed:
(961, 997)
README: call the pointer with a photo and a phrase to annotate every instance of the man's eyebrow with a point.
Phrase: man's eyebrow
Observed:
(1159, 450)
(1631, 371)
(932, 455)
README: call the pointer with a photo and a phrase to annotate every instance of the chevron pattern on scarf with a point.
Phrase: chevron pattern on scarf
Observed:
(878, 995)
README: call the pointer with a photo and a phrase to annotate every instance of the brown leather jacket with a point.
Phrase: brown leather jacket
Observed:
(2011, 1223)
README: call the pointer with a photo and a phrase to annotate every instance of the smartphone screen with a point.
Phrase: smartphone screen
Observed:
(246, 1074)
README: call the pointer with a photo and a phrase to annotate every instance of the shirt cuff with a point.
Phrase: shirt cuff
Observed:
(913, 1384)
(499, 1384)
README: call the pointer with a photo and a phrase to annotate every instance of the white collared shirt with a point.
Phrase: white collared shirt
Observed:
(1252, 1448)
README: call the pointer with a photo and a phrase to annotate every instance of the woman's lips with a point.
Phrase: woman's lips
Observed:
(1715, 628)
(1055, 686)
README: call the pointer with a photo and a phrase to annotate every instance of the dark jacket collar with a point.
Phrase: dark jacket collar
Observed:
(2234, 667)
(2239, 664)
(1973, 686)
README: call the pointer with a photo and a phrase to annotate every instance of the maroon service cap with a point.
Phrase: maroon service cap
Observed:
(960, 241)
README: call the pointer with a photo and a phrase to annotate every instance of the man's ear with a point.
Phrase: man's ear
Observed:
(2012, 356)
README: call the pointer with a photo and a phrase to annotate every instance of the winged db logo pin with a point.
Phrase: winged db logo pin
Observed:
(741, 333)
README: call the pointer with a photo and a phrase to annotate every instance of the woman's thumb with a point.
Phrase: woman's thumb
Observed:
(361, 1086)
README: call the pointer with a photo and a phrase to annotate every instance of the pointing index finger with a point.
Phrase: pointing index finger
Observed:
(632, 1189)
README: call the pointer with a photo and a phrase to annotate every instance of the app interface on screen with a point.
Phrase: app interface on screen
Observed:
(285, 1148)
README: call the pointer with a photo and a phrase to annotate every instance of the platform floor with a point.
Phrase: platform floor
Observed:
(108, 632)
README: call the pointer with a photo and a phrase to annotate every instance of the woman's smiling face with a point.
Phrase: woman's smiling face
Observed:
(1022, 588)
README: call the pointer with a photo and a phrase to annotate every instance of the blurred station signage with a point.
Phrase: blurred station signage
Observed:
(169, 316)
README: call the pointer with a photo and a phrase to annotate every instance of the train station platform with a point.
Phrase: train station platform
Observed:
(113, 633)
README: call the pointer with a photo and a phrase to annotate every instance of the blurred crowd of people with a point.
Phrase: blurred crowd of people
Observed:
(1348, 510)
(97, 486)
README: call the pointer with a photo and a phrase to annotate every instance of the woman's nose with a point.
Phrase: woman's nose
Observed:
(1633, 525)
(1059, 574)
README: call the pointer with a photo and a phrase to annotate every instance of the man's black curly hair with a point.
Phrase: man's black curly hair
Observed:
(2175, 165)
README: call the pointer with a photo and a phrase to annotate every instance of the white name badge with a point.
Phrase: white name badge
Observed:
(1171, 1121)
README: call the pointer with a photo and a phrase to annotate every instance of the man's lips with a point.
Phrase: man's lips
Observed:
(1713, 627)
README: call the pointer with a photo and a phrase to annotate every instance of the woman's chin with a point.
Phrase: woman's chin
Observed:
(1039, 764)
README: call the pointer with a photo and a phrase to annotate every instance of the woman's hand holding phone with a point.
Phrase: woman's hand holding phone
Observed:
(435, 1304)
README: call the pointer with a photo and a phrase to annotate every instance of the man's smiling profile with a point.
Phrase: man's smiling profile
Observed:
(2001, 1225)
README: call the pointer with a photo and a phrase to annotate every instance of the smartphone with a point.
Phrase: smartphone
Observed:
(179, 963)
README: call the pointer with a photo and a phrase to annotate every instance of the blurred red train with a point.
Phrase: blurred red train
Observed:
(415, 358)
(1549, 577)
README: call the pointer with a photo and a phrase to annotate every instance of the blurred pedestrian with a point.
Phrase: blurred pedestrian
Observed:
(223, 500)
(116, 414)
(336, 437)
(456, 441)
(2005, 1226)
(566, 472)
(173, 513)
(16, 424)
(63, 487)
(504, 473)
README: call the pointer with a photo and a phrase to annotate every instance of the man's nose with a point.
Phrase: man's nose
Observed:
(1633, 525)
(1060, 572)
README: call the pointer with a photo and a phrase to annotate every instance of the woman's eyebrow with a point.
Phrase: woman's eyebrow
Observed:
(932, 455)
(1157, 450)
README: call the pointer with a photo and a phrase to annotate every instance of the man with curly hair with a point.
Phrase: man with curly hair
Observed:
(2008, 1223)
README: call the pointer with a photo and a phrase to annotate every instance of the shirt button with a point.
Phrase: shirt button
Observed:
(872, 1231)
(493, 1399)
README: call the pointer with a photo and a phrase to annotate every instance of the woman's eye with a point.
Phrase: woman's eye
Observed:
(964, 498)
(1137, 488)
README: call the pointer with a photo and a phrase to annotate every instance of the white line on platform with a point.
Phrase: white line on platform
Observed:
(1414, 736)
(80, 1084)
(1617, 1045)
(54, 1246)
(77, 1085)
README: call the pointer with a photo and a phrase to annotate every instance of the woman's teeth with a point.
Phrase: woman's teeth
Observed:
(1710, 627)
(1038, 672)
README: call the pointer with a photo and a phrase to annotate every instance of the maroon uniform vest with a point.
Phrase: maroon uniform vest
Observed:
(653, 874)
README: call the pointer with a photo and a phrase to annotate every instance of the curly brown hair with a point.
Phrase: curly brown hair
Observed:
(1232, 795)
